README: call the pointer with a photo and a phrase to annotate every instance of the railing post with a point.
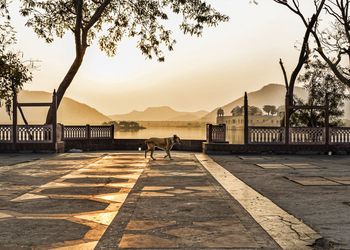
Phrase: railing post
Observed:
(209, 133)
(54, 123)
(224, 127)
(327, 120)
(88, 136)
(88, 132)
(246, 121)
(286, 119)
(14, 120)
(62, 133)
(112, 131)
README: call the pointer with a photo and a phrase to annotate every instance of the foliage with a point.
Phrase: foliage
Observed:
(13, 71)
(270, 109)
(320, 82)
(111, 20)
(13, 74)
(237, 111)
(252, 110)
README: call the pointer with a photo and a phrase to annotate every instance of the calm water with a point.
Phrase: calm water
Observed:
(233, 136)
(184, 133)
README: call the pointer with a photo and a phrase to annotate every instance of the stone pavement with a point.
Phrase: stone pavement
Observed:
(177, 204)
(64, 202)
(122, 201)
(315, 189)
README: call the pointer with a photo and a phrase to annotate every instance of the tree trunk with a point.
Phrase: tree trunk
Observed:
(67, 80)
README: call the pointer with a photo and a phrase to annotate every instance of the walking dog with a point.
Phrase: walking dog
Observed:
(165, 144)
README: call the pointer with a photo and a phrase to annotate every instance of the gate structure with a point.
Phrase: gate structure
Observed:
(32, 137)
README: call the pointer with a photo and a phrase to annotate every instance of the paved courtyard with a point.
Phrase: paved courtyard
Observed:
(122, 201)
(315, 189)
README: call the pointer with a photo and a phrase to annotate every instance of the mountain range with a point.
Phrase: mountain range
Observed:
(163, 113)
(271, 94)
(72, 112)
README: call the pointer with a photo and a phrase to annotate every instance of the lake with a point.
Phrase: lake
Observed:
(191, 133)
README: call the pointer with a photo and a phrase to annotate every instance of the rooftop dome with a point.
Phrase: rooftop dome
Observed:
(220, 112)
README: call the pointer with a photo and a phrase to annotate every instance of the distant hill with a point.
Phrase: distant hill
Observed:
(70, 112)
(163, 113)
(271, 94)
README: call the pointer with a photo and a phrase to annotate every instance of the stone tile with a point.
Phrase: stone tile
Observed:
(53, 206)
(313, 181)
(156, 188)
(301, 166)
(155, 194)
(146, 241)
(4, 216)
(142, 225)
(202, 188)
(26, 233)
(29, 196)
(102, 218)
(80, 190)
(214, 235)
(175, 174)
(273, 166)
(345, 180)
(128, 185)
(83, 246)
(252, 158)
(113, 197)
(180, 191)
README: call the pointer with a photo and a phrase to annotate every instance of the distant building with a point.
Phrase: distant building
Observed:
(236, 119)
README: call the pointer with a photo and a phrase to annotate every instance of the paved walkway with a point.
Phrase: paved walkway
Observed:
(177, 204)
(315, 189)
(122, 201)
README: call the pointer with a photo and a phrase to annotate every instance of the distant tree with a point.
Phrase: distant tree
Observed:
(319, 80)
(273, 110)
(270, 109)
(108, 21)
(237, 111)
(252, 110)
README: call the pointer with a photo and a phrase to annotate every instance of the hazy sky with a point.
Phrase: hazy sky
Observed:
(201, 73)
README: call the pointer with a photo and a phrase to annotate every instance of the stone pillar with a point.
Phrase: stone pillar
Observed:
(246, 119)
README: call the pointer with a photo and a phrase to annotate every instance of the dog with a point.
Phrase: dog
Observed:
(165, 144)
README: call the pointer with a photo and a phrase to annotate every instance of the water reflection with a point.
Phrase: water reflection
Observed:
(235, 135)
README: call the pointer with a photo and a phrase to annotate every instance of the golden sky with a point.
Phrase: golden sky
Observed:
(201, 73)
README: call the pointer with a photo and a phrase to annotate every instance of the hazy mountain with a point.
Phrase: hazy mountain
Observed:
(70, 111)
(271, 94)
(163, 113)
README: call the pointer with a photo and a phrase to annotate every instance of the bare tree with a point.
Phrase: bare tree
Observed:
(310, 24)
(111, 20)
(333, 43)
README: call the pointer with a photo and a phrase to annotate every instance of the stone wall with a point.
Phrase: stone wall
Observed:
(219, 148)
